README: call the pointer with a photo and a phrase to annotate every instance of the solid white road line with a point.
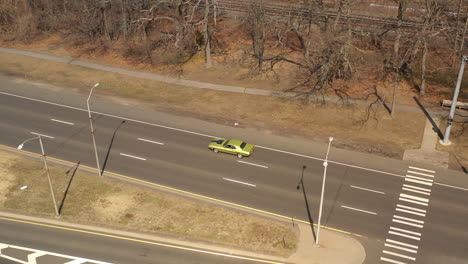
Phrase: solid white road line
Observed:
(406, 223)
(420, 182)
(408, 219)
(364, 211)
(419, 178)
(42, 135)
(392, 261)
(411, 208)
(63, 122)
(253, 164)
(398, 255)
(405, 231)
(410, 212)
(150, 141)
(231, 180)
(416, 168)
(414, 197)
(415, 191)
(403, 235)
(365, 189)
(401, 243)
(420, 173)
(130, 156)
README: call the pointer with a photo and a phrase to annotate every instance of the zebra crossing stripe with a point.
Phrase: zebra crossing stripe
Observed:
(420, 173)
(391, 260)
(401, 248)
(398, 255)
(414, 197)
(419, 178)
(409, 212)
(403, 235)
(416, 168)
(411, 208)
(405, 231)
(412, 201)
(420, 182)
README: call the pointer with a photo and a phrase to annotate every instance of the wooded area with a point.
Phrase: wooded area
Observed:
(321, 52)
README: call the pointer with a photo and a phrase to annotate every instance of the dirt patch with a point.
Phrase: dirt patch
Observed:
(100, 201)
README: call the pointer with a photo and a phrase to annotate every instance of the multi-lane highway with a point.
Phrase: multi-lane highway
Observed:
(401, 209)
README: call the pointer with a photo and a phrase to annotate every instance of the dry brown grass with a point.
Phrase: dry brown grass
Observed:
(101, 201)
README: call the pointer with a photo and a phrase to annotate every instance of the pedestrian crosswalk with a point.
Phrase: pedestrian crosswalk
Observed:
(405, 232)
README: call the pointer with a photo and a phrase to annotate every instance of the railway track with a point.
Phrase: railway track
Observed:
(282, 10)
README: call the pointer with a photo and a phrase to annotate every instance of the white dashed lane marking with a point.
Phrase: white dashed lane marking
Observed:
(253, 164)
(365, 189)
(130, 156)
(150, 141)
(63, 122)
(245, 183)
(359, 210)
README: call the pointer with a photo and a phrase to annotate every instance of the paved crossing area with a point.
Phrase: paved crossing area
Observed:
(404, 234)
(12, 254)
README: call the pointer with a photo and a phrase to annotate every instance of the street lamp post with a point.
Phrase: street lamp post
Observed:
(325, 165)
(446, 141)
(92, 130)
(46, 168)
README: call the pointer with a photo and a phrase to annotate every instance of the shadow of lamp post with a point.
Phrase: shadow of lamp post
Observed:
(46, 169)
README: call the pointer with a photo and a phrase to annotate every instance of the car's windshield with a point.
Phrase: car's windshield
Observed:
(243, 145)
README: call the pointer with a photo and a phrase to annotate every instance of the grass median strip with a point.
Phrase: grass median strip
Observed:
(87, 199)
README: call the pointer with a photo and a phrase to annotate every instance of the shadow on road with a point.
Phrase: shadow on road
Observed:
(110, 147)
(74, 168)
(435, 127)
(309, 215)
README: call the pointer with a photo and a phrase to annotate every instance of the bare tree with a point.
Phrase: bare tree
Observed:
(396, 62)
(257, 23)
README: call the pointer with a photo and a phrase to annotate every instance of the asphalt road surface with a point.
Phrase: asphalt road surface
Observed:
(57, 246)
(403, 214)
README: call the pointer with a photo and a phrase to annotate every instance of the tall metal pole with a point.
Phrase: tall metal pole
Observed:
(454, 102)
(325, 165)
(92, 130)
(48, 176)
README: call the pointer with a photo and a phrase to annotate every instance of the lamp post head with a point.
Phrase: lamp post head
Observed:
(330, 139)
(96, 85)
(21, 146)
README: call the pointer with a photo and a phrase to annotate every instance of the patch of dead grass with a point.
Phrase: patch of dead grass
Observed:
(101, 201)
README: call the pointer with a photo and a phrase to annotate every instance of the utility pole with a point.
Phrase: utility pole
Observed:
(454, 103)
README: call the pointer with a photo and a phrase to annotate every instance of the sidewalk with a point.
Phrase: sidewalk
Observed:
(428, 154)
(335, 248)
